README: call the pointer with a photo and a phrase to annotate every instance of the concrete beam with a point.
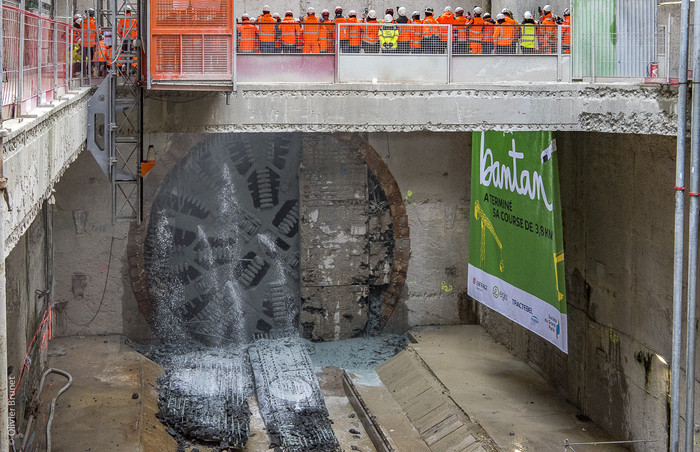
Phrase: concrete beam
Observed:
(37, 150)
(618, 108)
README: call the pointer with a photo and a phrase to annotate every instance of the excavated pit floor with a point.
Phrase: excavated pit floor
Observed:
(499, 400)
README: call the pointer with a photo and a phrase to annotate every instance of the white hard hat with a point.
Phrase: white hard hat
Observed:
(501, 16)
(266, 8)
(547, 8)
(245, 16)
(477, 10)
(372, 14)
(352, 13)
(77, 16)
(127, 8)
(487, 15)
(276, 15)
(459, 9)
(566, 12)
(388, 18)
(311, 10)
(448, 9)
(325, 11)
(402, 11)
(415, 13)
(288, 13)
(504, 11)
(527, 15)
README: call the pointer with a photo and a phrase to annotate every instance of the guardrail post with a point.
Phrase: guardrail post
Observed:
(55, 58)
(559, 57)
(449, 53)
(20, 75)
(40, 50)
(592, 53)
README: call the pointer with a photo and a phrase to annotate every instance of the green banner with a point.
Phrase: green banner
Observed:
(516, 248)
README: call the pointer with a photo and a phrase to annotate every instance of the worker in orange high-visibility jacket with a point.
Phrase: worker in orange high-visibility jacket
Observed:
(431, 39)
(341, 30)
(311, 26)
(547, 31)
(476, 32)
(370, 33)
(511, 21)
(503, 36)
(404, 42)
(487, 35)
(290, 33)
(460, 33)
(326, 33)
(103, 55)
(447, 18)
(566, 33)
(247, 35)
(89, 35)
(416, 32)
(266, 30)
(354, 33)
(127, 28)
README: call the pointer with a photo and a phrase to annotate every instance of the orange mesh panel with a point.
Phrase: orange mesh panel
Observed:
(168, 54)
(192, 54)
(192, 13)
(217, 54)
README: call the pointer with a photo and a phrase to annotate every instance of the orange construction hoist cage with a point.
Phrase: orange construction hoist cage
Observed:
(191, 41)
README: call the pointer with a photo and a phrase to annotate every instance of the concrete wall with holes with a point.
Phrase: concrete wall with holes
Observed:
(370, 108)
(36, 150)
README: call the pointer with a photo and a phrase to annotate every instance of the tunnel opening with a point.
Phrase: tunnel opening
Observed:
(254, 241)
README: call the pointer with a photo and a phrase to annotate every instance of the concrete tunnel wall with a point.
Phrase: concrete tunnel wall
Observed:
(617, 210)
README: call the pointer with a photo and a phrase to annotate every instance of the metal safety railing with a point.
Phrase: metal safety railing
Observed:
(296, 37)
(34, 61)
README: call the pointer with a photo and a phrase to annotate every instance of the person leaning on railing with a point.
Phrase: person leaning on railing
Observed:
(476, 32)
(566, 33)
(266, 30)
(528, 35)
(546, 32)
(342, 31)
(503, 36)
(389, 35)
(447, 18)
(247, 35)
(430, 40)
(404, 41)
(370, 33)
(290, 33)
(354, 33)
(487, 35)
(416, 32)
(327, 33)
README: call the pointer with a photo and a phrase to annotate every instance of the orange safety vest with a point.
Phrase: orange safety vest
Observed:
(311, 32)
(487, 34)
(370, 34)
(430, 28)
(266, 28)
(327, 36)
(249, 36)
(416, 34)
(566, 31)
(354, 32)
(503, 35)
(342, 31)
(475, 30)
(291, 31)
(549, 29)
(103, 53)
(310, 27)
(460, 28)
(90, 32)
(404, 32)
(446, 19)
(128, 26)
